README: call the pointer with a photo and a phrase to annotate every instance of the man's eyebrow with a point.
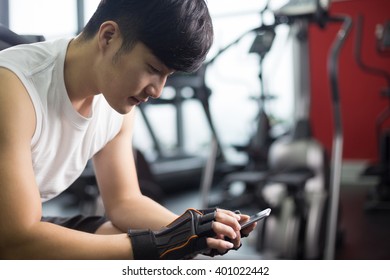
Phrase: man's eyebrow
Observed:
(161, 65)
(164, 69)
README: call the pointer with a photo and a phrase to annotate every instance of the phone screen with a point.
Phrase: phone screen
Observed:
(257, 217)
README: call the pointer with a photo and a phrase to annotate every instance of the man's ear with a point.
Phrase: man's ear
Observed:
(108, 35)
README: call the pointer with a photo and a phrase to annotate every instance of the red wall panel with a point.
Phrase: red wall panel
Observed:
(360, 92)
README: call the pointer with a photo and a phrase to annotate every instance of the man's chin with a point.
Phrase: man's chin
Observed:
(124, 109)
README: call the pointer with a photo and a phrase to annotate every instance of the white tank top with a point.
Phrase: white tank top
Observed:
(63, 140)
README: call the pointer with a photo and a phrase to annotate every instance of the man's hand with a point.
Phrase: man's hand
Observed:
(210, 232)
(227, 227)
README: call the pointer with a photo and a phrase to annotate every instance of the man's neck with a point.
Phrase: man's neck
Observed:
(79, 75)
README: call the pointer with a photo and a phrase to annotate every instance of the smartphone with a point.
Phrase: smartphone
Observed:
(256, 217)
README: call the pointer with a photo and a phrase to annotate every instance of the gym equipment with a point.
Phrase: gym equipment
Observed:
(301, 184)
(294, 186)
(319, 211)
(383, 38)
(379, 198)
(257, 148)
(84, 192)
(293, 181)
(9, 38)
(184, 238)
(307, 212)
(259, 143)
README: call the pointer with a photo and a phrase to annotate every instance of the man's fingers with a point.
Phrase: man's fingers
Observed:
(230, 213)
(219, 244)
(226, 233)
(228, 218)
(224, 230)
(227, 227)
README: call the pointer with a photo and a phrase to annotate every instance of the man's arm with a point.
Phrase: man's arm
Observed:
(22, 234)
(116, 174)
(125, 205)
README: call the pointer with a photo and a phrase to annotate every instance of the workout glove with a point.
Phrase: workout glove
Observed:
(184, 238)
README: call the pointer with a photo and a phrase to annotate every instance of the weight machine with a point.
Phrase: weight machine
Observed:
(379, 197)
(301, 184)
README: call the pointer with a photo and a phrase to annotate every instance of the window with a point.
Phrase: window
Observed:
(234, 75)
(89, 8)
(49, 18)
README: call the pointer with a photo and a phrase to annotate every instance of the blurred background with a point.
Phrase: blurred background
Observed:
(257, 125)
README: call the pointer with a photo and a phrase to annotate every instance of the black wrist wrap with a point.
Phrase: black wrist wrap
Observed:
(184, 238)
(143, 243)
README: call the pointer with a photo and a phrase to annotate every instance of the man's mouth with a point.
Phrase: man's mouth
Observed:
(136, 101)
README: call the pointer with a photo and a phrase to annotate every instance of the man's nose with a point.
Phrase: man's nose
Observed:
(154, 90)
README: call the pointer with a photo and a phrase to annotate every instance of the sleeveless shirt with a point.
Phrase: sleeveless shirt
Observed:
(63, 140)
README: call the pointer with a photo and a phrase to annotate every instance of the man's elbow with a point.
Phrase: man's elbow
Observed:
(13, 243)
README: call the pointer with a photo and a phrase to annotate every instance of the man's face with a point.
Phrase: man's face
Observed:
(130, 78)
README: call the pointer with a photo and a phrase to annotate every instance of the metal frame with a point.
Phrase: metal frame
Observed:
(80, 15)
(4, 13)
(301, 71)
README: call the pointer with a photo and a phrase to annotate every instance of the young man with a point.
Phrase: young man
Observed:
(65, 101)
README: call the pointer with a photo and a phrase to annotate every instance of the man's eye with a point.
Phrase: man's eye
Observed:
(154, 69)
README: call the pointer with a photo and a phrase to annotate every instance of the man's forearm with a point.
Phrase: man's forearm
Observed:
(49, 241)
(140, 213)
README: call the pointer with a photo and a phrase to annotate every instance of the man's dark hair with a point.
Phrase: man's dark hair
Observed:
(178, 32)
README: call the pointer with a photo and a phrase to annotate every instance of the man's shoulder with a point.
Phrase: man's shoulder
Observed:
(17, 112)
(9, 81)
(30, 58)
